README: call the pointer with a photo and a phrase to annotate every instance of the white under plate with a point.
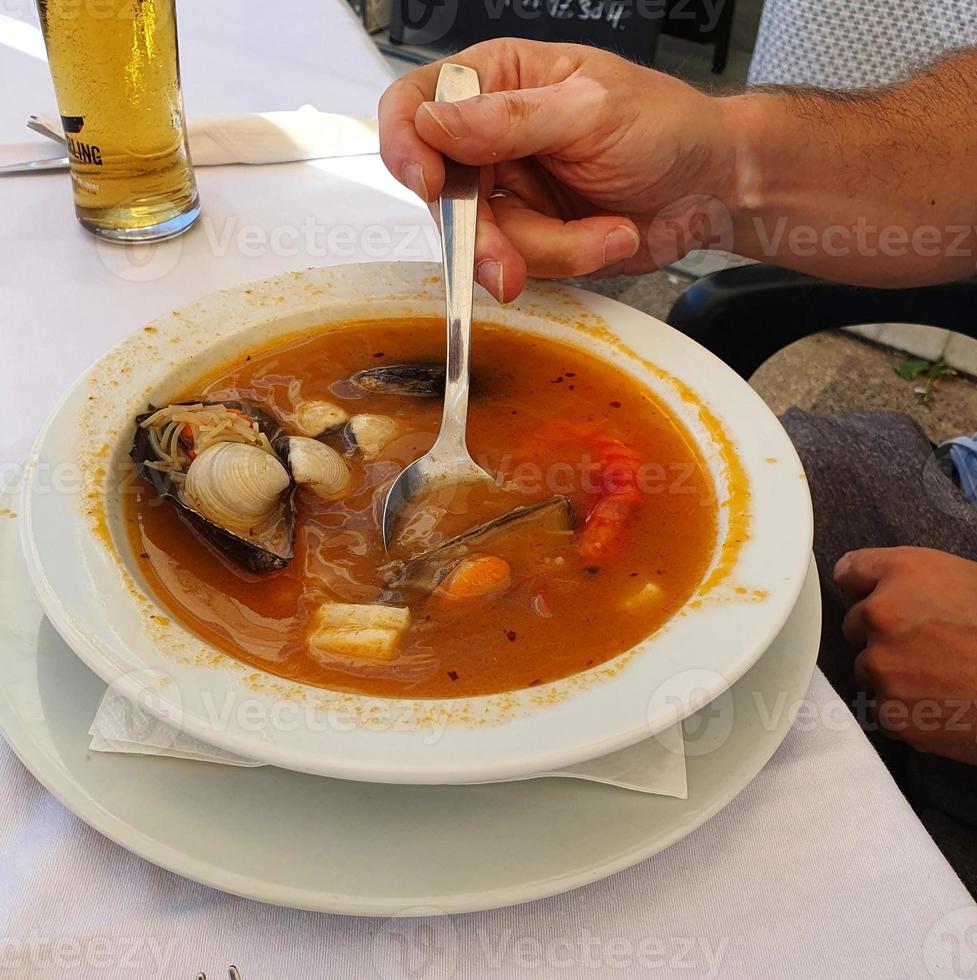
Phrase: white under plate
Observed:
(368, 849)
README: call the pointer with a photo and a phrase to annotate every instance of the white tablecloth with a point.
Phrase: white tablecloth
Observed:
(819, 869)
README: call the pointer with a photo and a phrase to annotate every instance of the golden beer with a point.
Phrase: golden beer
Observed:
(116, 75)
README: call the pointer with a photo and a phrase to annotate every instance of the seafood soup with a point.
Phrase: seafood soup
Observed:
(256, 518)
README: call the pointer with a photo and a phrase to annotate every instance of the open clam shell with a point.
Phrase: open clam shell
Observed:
(370, 434)
(267, 550)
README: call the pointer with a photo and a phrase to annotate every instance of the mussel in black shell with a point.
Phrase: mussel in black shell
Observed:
(418, 380)
(425, 571)
(225, 467)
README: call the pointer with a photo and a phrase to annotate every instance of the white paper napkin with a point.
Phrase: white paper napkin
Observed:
(274, 137)
(656, 765)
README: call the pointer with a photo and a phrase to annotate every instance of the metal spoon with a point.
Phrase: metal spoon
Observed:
(37, 166)
(448, 462)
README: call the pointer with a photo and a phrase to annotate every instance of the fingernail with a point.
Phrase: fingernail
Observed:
(620, 244)
(413, 174)
(449, 117)
(488, 272)
(842, 564)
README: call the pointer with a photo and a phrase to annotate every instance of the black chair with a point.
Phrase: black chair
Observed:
(746, 314)
(693, 20)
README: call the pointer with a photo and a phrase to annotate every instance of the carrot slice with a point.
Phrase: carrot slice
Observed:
(188, 439)
(476, 577)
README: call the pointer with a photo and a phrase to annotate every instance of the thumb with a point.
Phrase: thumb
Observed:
(502, 126)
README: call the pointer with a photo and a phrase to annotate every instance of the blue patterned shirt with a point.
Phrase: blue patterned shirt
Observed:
(847, 44)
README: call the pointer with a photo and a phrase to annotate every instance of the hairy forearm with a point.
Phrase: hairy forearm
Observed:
(876, 188)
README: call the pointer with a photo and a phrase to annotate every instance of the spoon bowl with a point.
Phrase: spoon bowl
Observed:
(429, 473)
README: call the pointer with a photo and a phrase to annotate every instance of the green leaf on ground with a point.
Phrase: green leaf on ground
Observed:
(911, 368)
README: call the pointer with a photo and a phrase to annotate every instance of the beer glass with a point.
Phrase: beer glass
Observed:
(116, 76)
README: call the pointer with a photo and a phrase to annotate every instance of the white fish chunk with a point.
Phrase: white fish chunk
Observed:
(364, 631)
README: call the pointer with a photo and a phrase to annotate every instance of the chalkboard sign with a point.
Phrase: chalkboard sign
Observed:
(629, 27)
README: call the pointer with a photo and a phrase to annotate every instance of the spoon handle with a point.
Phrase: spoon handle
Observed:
(458, 206)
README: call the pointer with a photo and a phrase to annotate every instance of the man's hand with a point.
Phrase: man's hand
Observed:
(581, 152)
(591, 164)
(915, 622)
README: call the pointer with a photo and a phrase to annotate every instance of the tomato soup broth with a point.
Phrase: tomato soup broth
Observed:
(550, 419)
